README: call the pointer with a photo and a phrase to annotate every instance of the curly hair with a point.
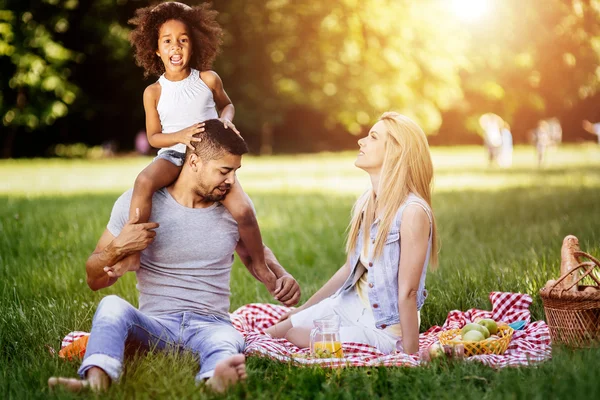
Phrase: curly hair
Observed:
(206, 34)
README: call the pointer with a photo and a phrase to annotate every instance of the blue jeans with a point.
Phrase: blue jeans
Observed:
(117, 323)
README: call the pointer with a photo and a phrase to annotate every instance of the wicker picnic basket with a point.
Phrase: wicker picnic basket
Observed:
(488, 346)
(574, 316)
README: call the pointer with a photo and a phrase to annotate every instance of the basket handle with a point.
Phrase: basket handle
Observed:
(596, 263)
(586, 255)
(588, 272)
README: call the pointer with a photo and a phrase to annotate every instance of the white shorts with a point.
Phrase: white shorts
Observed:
(357, 321)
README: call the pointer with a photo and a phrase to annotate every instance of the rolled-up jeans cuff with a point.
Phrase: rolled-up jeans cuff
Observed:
(108, 364)
(204, 375)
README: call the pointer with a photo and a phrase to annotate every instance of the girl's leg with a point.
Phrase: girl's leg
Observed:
(158, 174)
(239, 205)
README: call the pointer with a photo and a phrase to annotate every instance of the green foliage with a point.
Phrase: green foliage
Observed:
(500, 230)
(38, 90)
(537, 56)
(347, 61)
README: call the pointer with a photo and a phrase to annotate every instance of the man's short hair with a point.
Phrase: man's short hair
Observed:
(217, 141)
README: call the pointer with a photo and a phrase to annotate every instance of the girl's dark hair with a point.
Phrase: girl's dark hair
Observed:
(206, 34)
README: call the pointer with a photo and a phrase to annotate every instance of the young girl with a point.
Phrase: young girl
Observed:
(179, 43)
(379, 291)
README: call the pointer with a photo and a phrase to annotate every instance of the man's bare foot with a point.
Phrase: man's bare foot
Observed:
(96, 380)
(228, 372)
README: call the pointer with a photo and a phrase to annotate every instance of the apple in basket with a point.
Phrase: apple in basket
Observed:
(489, 324)
(475, 327)
(473, 336)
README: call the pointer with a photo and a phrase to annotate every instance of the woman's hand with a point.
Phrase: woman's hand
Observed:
(288, 314)
(186, 136)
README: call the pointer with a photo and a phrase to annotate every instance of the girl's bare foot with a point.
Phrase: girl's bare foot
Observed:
(96, 380)
(228, 372)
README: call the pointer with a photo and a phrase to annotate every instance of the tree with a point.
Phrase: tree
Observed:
(351, 60)
(38, 90)
(531, 60)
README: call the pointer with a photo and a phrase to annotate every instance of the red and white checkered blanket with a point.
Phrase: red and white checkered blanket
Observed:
(528, 346)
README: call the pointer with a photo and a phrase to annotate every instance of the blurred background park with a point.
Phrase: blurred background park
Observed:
(306, 75)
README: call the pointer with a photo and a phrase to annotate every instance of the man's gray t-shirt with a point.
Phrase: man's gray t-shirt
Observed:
(188, 266)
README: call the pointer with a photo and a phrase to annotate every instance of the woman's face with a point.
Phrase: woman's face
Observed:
(372, 149)
(174, 46)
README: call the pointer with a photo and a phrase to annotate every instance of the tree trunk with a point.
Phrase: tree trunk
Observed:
(266, 139)
(8, 142)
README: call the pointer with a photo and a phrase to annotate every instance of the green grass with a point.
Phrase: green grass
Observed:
(500, 230)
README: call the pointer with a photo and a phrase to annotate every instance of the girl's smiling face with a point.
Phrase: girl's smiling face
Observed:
(174, 46)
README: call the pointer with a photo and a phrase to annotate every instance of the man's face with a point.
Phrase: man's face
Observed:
(216, 177)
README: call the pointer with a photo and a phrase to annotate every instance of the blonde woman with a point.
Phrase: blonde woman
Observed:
(380, 289)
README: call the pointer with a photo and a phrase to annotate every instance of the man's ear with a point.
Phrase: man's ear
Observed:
(195, 162)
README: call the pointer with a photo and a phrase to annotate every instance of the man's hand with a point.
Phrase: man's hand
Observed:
(134, 236)
(287, 290)
(265, 275)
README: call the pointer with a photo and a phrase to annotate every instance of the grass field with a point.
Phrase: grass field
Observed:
(500, 230)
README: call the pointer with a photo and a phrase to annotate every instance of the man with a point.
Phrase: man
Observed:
(183, 281)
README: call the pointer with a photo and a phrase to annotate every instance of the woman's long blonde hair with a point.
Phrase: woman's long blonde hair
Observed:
(407, 168)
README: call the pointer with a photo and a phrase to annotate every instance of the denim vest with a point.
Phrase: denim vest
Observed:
(383, 271)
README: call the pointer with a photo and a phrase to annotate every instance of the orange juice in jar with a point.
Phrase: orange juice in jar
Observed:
(325, 338)
(334, 349)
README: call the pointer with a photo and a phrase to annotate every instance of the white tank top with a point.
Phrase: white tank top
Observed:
(184, 103)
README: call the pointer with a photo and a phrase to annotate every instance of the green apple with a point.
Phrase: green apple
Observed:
(475, 327)
(473, 336)
(490, 324)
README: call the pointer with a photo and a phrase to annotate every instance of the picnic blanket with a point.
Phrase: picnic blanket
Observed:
(528, 346)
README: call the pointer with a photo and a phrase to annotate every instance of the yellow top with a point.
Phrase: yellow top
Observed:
(362, 287)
